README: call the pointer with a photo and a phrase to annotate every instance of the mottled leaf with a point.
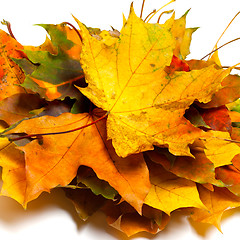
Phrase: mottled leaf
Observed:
(53, 75)
(11, 75)
(217, 118)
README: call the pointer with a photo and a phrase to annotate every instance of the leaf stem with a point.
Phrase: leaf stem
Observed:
(215, 46)
(165, 12)
(4, 22)
(149, 15)
(40, 135)
(160, 9)
(237, 68)
(72, 187)
(142, 8)
(228, 140)
(220, 47)
(79, 35)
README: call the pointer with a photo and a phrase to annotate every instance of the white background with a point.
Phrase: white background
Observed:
(51, 215)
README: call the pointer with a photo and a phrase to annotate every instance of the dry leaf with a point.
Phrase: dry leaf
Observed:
(146, 134)
(144, 111)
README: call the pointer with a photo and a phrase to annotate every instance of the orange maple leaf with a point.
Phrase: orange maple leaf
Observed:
(55, 161)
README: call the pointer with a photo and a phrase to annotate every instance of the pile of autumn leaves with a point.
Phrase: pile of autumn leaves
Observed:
(166, 140)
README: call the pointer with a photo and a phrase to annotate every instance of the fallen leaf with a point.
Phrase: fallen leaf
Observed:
(217, 118)
(216, 202)
(197, 168)
(64, 39)
(55, 160)
(89, 179)
(194, 116)
(149, 110)
(11, 75)
(219, 151)
(53, 75)
(13, 171)
(235, 116)
(177, 65)
(231, 177)
(169, 192)
(229, 92)
(182, 36)
(124, 218)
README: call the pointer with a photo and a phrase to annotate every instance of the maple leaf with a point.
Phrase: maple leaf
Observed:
(140, 94)
(230, 176)
(11, 75)
(198, 168)
(219, 151)
(217, 118)
(194, 116)
(13, 171)
(124, 218)
(53, 75)
(55, 161)
(145, 105)
(217, 202)
(169, 192)
(181, 34)
(229, 92)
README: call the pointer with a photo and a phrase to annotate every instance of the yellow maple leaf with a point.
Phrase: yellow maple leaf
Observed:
(219, 151)
(145, 105)
(169, 192)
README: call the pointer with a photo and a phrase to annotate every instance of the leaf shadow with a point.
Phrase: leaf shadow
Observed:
(12, 213)
(202, 229)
